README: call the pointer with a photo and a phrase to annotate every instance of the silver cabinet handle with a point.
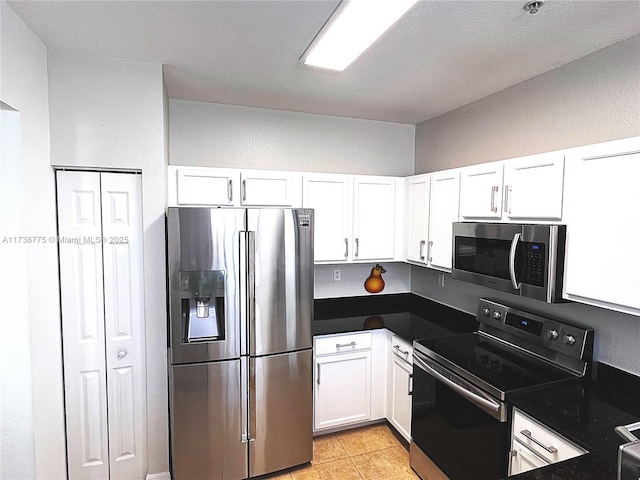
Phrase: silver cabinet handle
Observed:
(507, 192)
(527, 434)
(410, 385)
(318, 376)
(244, 190)
(494, 190)
(341, 345)
(230, 191)
(429, 250)
(122, 353)
(357, 248)
(404, 352)
(422, 242)
(346, 248)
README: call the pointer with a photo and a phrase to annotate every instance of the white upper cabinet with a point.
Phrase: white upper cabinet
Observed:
(602, 213)
(355, 217)
(533, 187)
(431, 207)
(527, 189)
(481, 192)
(269, 189)
(204, 186)
(417, 213)
(374, 218)
(445, 195)
(329, 196)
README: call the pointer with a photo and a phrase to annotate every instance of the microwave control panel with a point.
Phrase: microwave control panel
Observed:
(534, 262)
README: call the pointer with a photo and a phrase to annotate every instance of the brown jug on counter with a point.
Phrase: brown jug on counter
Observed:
(374, 283)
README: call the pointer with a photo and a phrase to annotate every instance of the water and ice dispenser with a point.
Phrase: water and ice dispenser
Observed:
(202, 294)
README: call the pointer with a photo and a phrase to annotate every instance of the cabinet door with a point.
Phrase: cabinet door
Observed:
(417, 209)
(521, 459)
(533, 187)
(445, 198)
(267, 189)
(401, 398)
(481, 192)
(124, 323)
(342, 389)
(603, 217)
(82, 307)
(374, 205)
(328, 195)
(206, 186)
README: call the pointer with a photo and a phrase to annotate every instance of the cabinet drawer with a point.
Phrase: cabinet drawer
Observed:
(536, 437)
(401, 349)
(342, 343)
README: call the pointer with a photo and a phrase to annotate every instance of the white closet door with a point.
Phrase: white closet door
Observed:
(100, 225)
(124, 323)
(81, 290)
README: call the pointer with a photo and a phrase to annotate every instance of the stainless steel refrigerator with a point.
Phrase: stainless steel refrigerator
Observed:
(240, 353)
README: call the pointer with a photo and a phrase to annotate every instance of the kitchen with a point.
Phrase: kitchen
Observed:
(99, 111)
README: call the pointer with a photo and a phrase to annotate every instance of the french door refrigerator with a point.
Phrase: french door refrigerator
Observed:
(240, 342)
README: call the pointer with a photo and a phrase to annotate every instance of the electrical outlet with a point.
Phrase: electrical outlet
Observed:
(441, 279)
(336, 275)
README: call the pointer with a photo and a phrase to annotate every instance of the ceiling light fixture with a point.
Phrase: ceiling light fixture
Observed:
(352, 28)
(533, 7)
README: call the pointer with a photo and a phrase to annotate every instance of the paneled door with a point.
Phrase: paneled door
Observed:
(100, 243)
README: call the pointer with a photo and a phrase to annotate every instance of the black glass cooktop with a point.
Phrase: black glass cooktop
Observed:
(485, 361)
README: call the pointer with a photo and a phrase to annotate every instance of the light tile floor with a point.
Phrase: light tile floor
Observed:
(367, 453)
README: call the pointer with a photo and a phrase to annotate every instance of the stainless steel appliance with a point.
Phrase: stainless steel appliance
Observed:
(629, 453)
(240, 312)
(461, 383)
(525, 260)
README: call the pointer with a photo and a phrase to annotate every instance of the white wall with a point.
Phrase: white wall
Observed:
(616, 334)
(108, 112)
(352, 278)
(591, 100)
(17, 444)
(214, 135)
(23, 86)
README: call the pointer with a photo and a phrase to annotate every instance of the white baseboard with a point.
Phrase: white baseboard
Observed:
(159, 476)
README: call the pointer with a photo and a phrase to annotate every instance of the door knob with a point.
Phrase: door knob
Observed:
(122, 353)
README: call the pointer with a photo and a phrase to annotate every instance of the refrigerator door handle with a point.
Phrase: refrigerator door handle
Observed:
(252, 402)
(244, 400)
(251, 290)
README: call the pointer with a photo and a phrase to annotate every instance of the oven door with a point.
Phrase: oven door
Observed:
(460, 428)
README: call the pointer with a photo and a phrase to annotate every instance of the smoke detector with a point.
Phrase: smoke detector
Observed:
(534, 6)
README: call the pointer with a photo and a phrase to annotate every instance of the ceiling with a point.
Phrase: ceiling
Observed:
(439, 56)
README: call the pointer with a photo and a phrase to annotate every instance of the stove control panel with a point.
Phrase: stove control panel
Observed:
(572, 340)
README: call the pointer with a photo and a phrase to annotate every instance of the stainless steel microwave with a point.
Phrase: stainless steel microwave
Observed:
(526, 260)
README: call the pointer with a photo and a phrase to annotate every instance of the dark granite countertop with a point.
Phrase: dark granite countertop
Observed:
(408, 316)
(586, 414)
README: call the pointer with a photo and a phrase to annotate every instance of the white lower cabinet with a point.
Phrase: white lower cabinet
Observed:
(533, 445)
(342, 380)
(349, 379)
(399, 386)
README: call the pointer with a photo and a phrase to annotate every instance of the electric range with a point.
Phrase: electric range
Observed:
(461, 384)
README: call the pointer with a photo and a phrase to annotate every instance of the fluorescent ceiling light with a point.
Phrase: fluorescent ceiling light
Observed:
(352, 28)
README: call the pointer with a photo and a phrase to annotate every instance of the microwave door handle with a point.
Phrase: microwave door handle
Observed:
(512, 262)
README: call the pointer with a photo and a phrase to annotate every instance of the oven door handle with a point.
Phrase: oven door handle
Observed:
(492, 407)
(512, 262)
